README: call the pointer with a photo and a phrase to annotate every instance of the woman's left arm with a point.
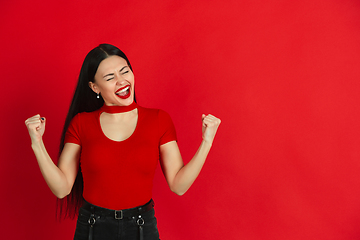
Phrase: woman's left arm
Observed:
(178, 176)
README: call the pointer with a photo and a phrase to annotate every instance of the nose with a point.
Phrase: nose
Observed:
(120, 79)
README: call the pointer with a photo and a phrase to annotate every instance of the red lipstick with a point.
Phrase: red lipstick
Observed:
(121, 93)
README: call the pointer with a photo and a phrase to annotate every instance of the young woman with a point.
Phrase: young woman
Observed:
(109, 151)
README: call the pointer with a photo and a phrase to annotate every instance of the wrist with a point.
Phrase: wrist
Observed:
(206, 143)
(36, 144)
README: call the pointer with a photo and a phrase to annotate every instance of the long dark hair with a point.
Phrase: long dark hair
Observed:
(84, 100)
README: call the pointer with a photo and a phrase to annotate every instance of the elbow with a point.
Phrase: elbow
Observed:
(61, 194)
(178, 192)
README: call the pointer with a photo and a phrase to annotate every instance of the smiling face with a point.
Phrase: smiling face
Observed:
(114, 80)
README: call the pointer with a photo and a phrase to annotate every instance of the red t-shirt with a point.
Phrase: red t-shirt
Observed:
(119, 174)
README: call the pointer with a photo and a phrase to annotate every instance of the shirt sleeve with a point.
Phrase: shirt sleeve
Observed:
(167, 128)
(72, 134)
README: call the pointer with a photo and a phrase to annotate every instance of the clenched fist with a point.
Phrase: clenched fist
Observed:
(210, 125)
(36, 127)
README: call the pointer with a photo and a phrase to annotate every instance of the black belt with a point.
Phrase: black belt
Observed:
(118, 214)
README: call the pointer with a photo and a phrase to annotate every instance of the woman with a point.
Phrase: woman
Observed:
(109, 151)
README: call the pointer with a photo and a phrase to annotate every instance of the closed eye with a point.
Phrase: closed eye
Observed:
(111, 75)
(122, 69)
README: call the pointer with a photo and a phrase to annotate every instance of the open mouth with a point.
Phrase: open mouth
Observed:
(123, 92)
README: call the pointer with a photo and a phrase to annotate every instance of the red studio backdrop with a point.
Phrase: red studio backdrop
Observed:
(283, 76)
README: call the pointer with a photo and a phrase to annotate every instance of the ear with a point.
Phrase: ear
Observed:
(94, 87)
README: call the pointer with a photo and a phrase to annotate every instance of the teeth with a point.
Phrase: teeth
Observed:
(124, 90)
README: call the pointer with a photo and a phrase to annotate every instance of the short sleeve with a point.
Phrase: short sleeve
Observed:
(72, 134)
(166, 127)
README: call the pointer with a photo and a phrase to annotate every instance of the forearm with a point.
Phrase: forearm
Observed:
(53, 176)
(188, 173)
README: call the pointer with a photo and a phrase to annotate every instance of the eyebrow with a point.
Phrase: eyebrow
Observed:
(111, 74)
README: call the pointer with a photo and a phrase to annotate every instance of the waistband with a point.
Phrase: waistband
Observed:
(118, 214)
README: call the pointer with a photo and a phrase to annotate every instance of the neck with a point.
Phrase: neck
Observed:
(118, 109)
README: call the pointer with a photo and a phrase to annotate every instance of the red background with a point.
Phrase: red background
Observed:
(282, 75)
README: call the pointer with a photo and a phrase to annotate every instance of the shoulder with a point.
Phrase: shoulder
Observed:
(87, 114)
(154, 112)
(83, 117)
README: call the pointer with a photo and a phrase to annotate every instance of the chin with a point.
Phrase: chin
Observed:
(126, 102)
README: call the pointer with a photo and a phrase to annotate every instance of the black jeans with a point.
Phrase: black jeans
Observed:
(109, 228)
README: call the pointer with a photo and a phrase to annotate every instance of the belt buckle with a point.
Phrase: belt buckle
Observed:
(117, 213)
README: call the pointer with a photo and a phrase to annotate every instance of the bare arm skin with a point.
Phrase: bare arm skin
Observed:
(180, 177)
(61, 178)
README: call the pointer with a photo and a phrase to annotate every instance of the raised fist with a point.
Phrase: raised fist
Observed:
(36, 127)
(210, 125)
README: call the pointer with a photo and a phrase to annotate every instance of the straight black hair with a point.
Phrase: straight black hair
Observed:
(84, 100)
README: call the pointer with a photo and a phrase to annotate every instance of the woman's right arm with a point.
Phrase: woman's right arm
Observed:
(61, 178)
